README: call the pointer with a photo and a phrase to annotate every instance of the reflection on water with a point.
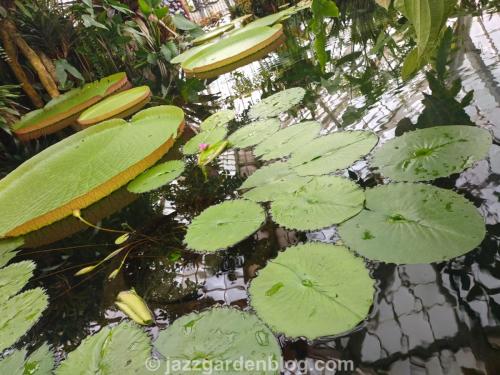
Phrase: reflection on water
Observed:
(426, 319)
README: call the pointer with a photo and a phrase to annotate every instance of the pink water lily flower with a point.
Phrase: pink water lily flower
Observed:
(203, 146)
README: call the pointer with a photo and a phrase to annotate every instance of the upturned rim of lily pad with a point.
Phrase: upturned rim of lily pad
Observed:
(116, 106)
(56, 116)
(212, 34)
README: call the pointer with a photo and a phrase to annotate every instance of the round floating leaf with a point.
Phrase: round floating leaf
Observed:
(413, 223)
(224, 225)
(321, 202)
(332, 152)
(278, 103)
(123, 349)
(213, 34)
(188, 53)
(219, 119)
(287, 140)
(120, 105)
(63, 110)
(232, 49)
(171, 112)
(254, 133)
(157, 176)
(40, 362)
(220, 335)
(427, 154)
(331, 286)
(7, 247)
(208, 137)
(13, 278)
(83, 168)
(267, 175)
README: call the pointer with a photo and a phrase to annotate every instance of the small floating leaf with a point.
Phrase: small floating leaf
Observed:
(123, 349)
(332, 152)
(40, 362)
(220, 335)
(321, 202)
(413, 223)
(224, 225)
(254, 133)
(156, 177)
(426, 154)
(278, 103)
(13, 278)
(217, 120)
(287, 140)
(205, 137)
(330, 284)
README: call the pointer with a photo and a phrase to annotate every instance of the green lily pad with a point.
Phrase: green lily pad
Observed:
(332, 287)
(13, 278)
(188, 53)
(213, 34)
(123, 349)
(218, 119)
(319, 203)
(63, 110)
(254, 133)
(7, 247)
(224, 225)
(224, 335)
(208, 137)
(413, 223)
(168, 111)
(267, 175)
(83, 168)
(116, 106)
(156, 177)
(426, 154)
(332, 152)
(287, 140)
(40, 362)
(278, 103)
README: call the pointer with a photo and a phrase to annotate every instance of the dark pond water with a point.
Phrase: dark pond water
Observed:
(426, 319)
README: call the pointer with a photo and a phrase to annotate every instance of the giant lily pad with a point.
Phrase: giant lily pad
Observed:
(119, 105)
(224, 335)
(331, 286)
(332, 152)
(208, 137)
(224, 225)
(83, 169)
(161, 111)
(254, 133)
(65, 109)
(318, 203)
(213, 34)
(123, 349)
(278, 103)
(188, 53)
(413, 223)
(427, 154)
(287, 140)
(156, 177)
(231, 50)
(218, 119)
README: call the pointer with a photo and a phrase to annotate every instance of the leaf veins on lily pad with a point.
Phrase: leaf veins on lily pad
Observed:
(278, 103)
(217, 120)
(207, 137)
(426, 154)
(332, 287)
(332, 152)
(157, 176)
(254, 133)
(413, 223)
(320, 202)
(287, 140)
(224, 225)
(220, 334)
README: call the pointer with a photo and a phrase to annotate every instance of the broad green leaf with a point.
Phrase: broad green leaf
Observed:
(40, 362)
(411, 64)
(208, 137)
(324, 8)
(83, 168)
(254, 133)
(13, 278)
(7, 247)
(119, 105)
(287, 140)
(59, 112)
(413, 223)
(268, 174)
(332, 152)
(330, 284)
(319, 203)
(224, 225)
(161, 111)
(19, 314)
(212, 34)
(188, 53)
(220, 334)
(182, 23)
(156, 177)
(218, 119)
(278, 103)
(122, 349)
(426, 154)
